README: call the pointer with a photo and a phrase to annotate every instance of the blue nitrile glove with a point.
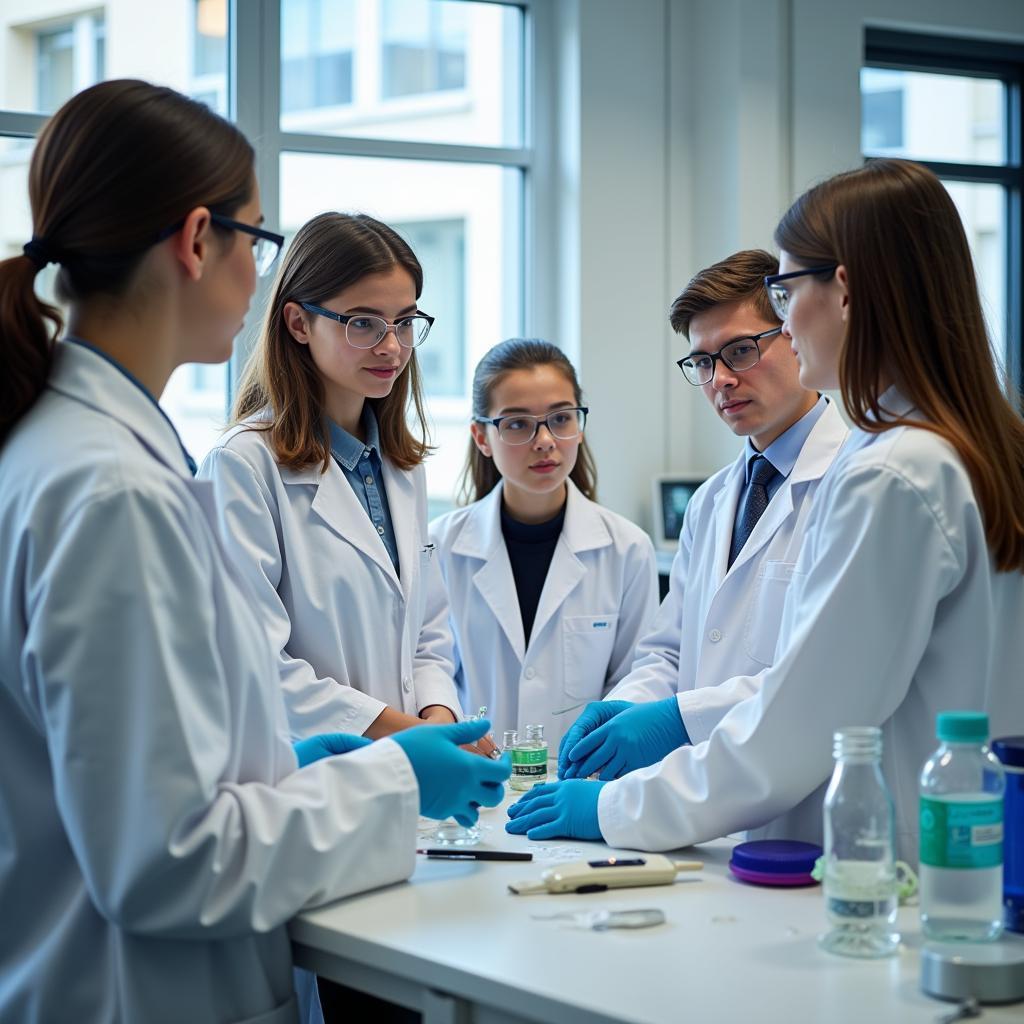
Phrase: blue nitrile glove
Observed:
(326, 744)
(595, 714)
(557, 809)
(635, 738)
(453, 782)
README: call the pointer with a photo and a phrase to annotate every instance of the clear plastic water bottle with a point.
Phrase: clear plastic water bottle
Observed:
(962, 787)
(860, 861)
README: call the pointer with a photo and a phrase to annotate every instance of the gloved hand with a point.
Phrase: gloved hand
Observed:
(595, 714)
(639, 736)
(567, 809)
(453, 782)
(326, 744)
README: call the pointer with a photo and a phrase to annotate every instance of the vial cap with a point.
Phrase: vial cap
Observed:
(962, 726)
(1009, 750)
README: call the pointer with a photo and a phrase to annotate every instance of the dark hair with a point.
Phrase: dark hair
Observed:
(118, 164)
(480, 475)
(737, 278)
(915, 320)
(329, 253)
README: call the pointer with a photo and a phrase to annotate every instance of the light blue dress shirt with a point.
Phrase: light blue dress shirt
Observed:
(783, 452)
(363, 468)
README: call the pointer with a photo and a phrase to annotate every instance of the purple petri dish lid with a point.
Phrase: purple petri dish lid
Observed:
(775, 862)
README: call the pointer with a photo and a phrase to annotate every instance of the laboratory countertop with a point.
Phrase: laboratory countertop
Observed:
(727, 952)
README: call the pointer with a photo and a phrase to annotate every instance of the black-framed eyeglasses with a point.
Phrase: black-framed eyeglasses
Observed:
(266, 247)
(778, 295)
(563, 424)
(739, 354)
(364, 330)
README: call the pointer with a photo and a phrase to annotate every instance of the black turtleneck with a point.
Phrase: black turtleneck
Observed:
(531, 547)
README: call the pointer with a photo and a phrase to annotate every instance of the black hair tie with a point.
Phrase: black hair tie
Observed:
(39, 252)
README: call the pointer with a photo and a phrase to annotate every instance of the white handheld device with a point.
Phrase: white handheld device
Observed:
(611, 873)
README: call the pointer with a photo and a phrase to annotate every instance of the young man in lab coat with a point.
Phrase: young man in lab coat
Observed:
(741, 533)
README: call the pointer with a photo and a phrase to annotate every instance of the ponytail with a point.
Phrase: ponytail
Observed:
(28, 328)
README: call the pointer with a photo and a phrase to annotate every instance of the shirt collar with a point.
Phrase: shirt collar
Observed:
(783, 452)
(347, 448)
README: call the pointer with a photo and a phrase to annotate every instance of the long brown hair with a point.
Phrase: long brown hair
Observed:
(328, 254)
(117, 165)
(915, 319)
(479, 475)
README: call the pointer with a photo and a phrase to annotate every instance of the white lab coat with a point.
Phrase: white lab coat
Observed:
(352, 638)
(718, 626)
(598, 599)
(155, 834)
(895, 612)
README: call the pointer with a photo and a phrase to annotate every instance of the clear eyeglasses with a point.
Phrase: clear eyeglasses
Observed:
(364, 330)
(563, 424)
(778, 294)
(741, 354)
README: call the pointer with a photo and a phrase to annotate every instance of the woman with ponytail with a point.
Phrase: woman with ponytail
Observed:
(156, 833)
(549, 591)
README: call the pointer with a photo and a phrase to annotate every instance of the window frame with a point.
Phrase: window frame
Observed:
(910, 51)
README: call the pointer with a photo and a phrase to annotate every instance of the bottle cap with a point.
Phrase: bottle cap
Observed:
(1009, 750)
(991, 972)
(775, 862)
(962, 726)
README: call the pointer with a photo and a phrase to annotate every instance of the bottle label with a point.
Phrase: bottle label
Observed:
(530, 764)
(961, 833)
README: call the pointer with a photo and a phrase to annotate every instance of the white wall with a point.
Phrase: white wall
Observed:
(699, 121)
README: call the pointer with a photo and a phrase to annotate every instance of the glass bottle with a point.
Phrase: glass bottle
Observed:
(962, 788)
(860, 859)
(449, 832)
(529, 760)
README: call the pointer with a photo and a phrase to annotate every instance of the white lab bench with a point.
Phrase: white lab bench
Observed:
(454, 944)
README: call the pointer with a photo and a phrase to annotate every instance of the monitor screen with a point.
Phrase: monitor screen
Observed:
(674, 494)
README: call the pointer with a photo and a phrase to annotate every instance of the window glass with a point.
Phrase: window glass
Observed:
(982, 208)
(48, 53)
(462, 221)
(414, 70)
(928, 116)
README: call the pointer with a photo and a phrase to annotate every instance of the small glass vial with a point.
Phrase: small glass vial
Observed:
(860, 861)
(449, 832)
(529, 759)
(962, 787)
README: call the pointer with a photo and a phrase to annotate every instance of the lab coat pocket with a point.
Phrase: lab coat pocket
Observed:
(764, 614)
(587, 642)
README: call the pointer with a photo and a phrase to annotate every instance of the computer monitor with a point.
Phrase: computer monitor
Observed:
(671, 494)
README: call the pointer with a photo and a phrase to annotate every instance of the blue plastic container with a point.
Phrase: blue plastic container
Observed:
(1010, 751)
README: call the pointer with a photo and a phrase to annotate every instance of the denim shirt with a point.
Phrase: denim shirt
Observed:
(783, 452)
(363, 468)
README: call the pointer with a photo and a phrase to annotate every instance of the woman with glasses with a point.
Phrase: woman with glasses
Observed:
(549, 591)
(157, 834)
(321, 493)
(908, 595)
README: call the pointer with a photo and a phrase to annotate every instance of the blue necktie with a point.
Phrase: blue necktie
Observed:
(755, 501)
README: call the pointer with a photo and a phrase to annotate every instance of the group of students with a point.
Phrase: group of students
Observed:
(193, 669)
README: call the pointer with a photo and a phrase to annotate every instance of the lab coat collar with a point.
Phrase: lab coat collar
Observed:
(481, 537)
(584, 530)
(816, 455)
(82, 374)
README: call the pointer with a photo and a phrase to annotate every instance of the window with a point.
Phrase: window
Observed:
(411, 110)
(428, 138)
(954, 105)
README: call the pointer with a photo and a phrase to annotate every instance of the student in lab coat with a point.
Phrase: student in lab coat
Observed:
(908, 595)
(156, 834)
(549, 591)
(320, 487)
(720, 619)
